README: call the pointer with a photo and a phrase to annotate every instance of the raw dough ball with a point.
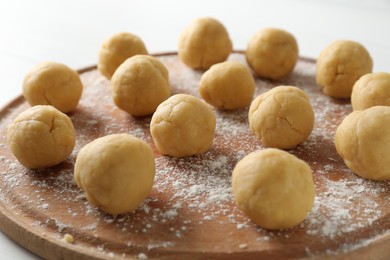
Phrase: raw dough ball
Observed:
(363, 141)
(52, 83)
(116, 172)
(227, 85)
(183, 125)
(41, 137)
(140, 84)
(272, 53)
(370, 90)
(340, 65)
(116, 50)
(273, 188)
(282, 117)
(204, 43)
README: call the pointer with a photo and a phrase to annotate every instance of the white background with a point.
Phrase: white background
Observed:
(72, 32)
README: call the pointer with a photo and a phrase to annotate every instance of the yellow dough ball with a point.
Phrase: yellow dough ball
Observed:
(118, 48)
(116, 172)
(340, 65)
(282, 117)
(41, 137)
(52, 83)
(203, 43)
(273, 188)
(363, 141)
(370, 90)
(227, 85)
(183, 125)
(140, 84)
(272, 53)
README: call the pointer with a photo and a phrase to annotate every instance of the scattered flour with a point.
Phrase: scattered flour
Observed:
(194, 194)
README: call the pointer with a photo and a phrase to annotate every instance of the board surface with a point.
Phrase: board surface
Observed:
(191, 212)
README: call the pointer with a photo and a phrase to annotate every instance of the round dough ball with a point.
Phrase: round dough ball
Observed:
(140, 84)
(227, 85)
(182, 126)
(282, 117)
(273, 188)
(41, 137)
(340, 65)
(363, 141)
(55, 84)
(116, 172)
(272, 53)
(203, 43)
(370, 90)
(118, 48)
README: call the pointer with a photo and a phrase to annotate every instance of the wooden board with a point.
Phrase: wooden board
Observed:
(190, 213)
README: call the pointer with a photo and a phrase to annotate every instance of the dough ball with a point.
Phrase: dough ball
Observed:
(118, 48)
(363, 141)
(183, 125)
(140, 84)
(55, 84)
(370, 90)
(227, 85)
(203, 43)
(41, 137)
(340, 65)
(116, 172)
(282, 117)
(272, 53)
(273, 188)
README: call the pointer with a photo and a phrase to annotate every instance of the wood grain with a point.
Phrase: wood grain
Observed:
(351, 217)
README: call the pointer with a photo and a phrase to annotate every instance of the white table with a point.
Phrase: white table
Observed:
(72, 31)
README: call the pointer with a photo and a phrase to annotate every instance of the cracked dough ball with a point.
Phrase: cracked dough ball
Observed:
(203, 43)
(340, 65)
(41, 137)
(55, 84)
(182, 126)
(140, 84)
(272, 53)
(118, 48)
(227, 85)
(116, 172)
(370, 90)
(273, 188)
(363, 141)
(282, 117)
